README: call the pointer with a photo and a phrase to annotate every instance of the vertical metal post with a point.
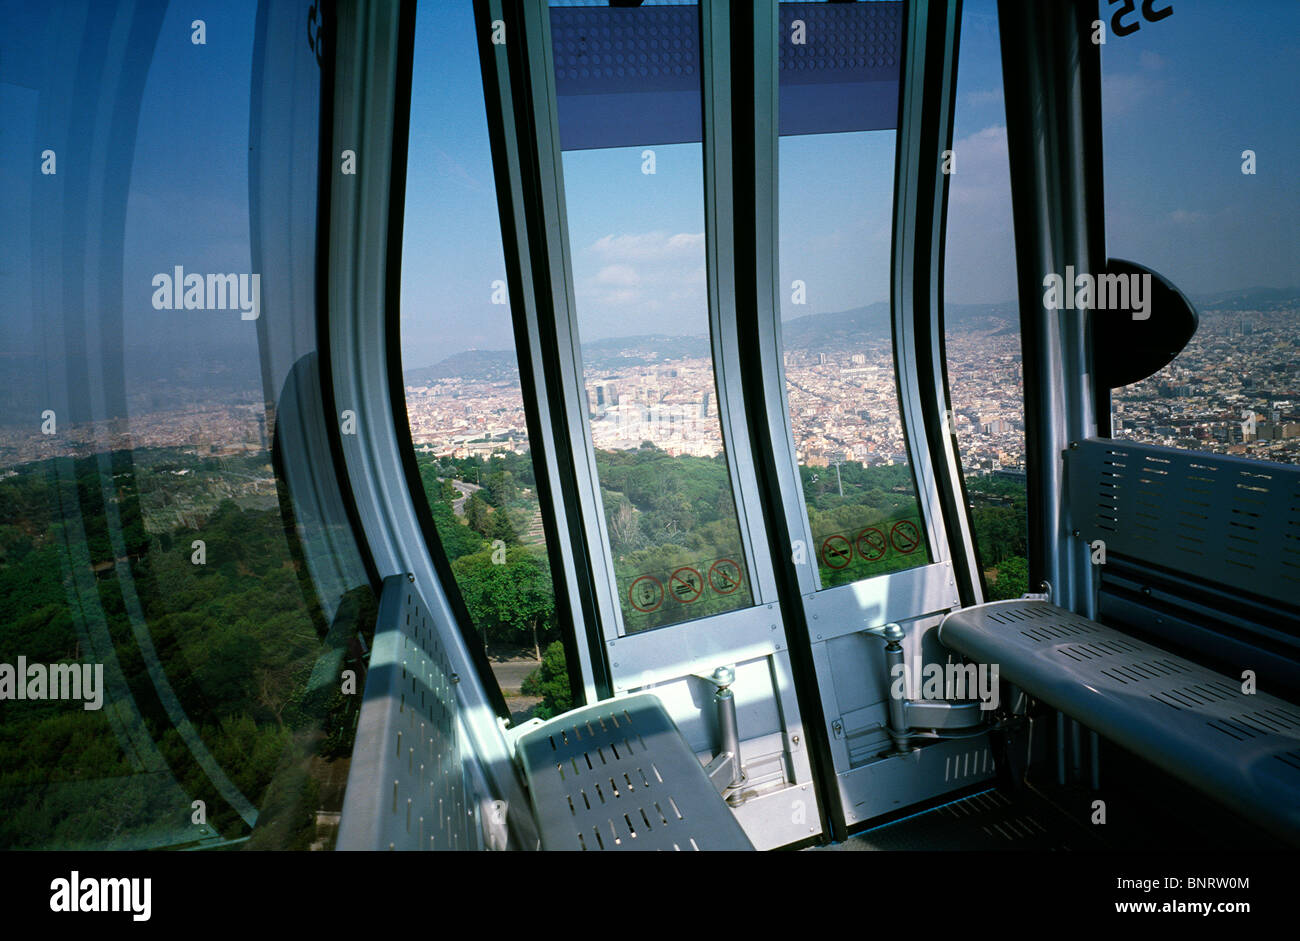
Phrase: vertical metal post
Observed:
(894, 657)
(1049, 71)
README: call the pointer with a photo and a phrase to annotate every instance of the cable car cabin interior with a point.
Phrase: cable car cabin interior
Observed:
(606, 426)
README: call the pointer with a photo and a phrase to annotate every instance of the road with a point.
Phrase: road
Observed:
(464, 489)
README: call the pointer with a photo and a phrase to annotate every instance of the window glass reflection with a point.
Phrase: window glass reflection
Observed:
(148, 530)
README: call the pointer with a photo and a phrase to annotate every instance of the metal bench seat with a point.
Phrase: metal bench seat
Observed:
(619, 776)
(1243, 749)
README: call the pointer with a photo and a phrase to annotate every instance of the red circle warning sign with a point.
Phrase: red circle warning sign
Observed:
(646, 593)
(837, 551)
(686, 584)
(872, 544)
(724, 576)
(904, 536)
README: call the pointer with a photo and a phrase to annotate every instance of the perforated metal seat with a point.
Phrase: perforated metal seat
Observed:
(619, 776)
(1243, 749)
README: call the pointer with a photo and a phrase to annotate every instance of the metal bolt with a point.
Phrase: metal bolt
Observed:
(455, 677)
(794, 739)
(1074, 445)
(410, 577)
(1074, 532)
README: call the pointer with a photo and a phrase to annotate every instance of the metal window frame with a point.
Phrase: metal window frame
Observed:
(518, 180)
(814, 614)
(373, 45)
(919, 379)
(1050, 77)
(672, 650)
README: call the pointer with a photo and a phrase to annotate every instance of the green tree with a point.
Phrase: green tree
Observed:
(551, 682)
(510, 599)
(1012, 580)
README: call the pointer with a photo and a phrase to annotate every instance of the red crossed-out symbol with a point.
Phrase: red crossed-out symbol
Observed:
(724, 576)
(646, 593)
(686, 584)
(872, 544)
(837, 551)
(905, 536)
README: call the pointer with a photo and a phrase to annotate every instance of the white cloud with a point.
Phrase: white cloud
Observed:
(648, 246)
(618, 276)
(642, 282)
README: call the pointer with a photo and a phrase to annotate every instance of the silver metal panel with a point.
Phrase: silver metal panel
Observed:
(406, 784)
(873, 602)
(1225, 519)
(694, 646)
(1243, 749)
(900, 781)
(619, 776)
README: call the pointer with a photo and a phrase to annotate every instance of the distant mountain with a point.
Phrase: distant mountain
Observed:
(1249, 299)
(471, 364)
(837, 330)
(821, 332)
(599, 354)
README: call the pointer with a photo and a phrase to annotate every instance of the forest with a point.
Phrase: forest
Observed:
(676, 544)
(232, 640)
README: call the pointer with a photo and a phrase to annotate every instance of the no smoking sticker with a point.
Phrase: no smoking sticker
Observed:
(904, 536)
(837, 551)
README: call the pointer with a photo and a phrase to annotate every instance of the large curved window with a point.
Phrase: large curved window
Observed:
(838, 113)
(634, 194)
(159, 541)
(1199, 114)
(981, 314)
(463, 395)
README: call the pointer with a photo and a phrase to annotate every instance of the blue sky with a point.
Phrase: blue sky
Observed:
(1183, 97)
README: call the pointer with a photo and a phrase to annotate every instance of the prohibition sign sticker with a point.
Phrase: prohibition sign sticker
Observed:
(905, 536)
(646, 594)
(686, 584)
(724, 576)
(872, 544)
(837, 551)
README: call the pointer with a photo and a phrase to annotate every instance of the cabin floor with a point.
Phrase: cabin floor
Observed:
(1143, 809)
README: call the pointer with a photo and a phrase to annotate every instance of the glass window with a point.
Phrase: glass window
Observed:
(464, 400)
(839, 88)
(1200, 130)
(629, 96)
(158, 341)
(981, 313)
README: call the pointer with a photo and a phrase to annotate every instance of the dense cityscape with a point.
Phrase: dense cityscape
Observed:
(1234, 390)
